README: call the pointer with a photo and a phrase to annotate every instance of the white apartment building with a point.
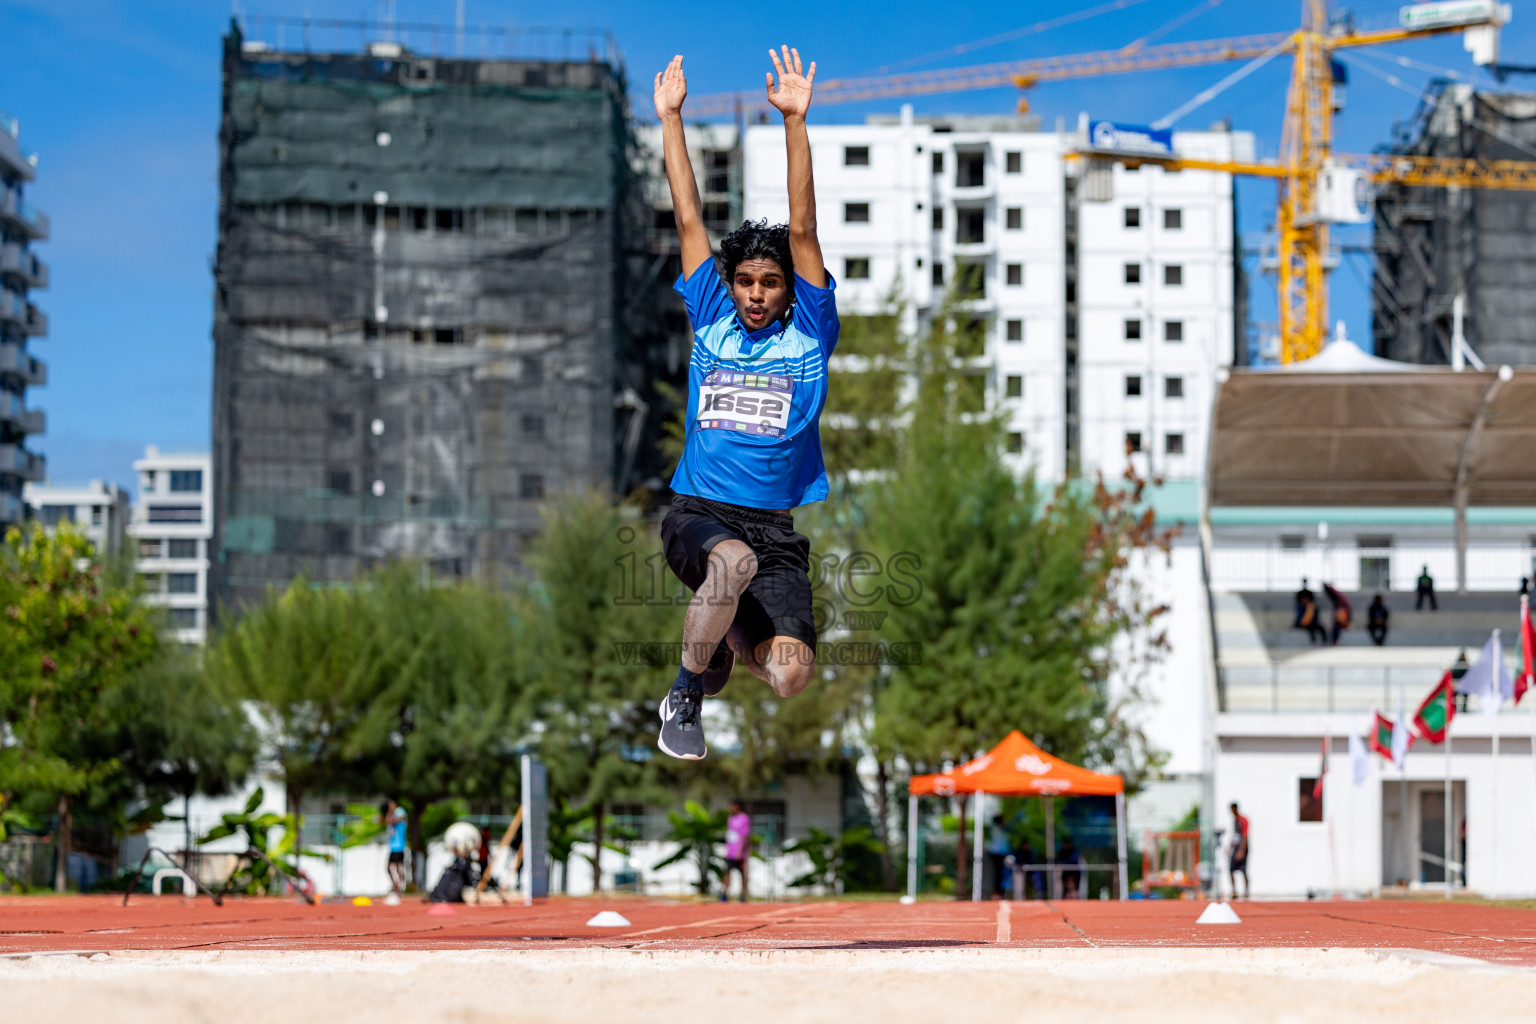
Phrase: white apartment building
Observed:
(170, 531)
(1106, 321)
(99, 510)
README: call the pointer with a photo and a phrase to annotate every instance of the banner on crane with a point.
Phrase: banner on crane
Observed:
(1453, 13)
(1109, 137)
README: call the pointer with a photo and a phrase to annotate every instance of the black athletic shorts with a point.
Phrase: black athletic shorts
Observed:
(778, 600)
(397, 856)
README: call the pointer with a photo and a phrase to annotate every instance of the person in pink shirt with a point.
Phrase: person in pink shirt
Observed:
(738, 847)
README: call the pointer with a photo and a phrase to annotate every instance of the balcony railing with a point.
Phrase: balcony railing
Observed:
(17, 261)
(17, 460)
(14, 359)
(23, 213)
(1284, 688)
(1271, 567)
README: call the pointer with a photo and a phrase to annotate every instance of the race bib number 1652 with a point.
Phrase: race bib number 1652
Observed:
(753, 403)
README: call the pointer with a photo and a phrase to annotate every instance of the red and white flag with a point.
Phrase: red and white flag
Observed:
(1322, 773)
(1527, 677)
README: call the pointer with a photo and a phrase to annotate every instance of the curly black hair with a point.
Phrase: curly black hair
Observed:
(756, 240)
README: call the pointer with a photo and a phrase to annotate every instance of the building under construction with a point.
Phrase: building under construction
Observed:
(426, 316)
(1435, 244)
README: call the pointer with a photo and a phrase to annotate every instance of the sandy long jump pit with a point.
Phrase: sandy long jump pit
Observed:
(173, 960)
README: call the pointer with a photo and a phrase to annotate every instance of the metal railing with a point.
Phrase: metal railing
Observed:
(1276, 568)
(1282, 688)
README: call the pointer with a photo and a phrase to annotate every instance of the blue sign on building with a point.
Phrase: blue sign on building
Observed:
(1130, 138)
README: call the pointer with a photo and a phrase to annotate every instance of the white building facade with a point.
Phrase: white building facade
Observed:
(98, 509)
(170, 532)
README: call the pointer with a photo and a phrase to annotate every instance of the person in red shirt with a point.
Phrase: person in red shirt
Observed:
(1238, 862)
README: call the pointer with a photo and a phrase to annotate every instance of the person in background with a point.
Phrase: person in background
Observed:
(1525, 586)
(1303, 596)
(1022, 858)
(1426, 591)
(1376, 620)
(1237, 864)
(1316, 634)
(394, 818)
(1458, 669)
(1072, 882)
(1341, 611)
(998, 847)
(738, 847)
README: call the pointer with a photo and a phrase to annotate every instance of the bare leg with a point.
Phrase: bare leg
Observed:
(783, 662)
(731, 567)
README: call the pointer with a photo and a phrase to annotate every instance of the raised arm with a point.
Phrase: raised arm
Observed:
(793, 99)
(671, 90)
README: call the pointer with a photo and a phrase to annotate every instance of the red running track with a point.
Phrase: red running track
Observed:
(39, 924)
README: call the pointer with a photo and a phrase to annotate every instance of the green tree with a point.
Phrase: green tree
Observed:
(604, 620)
(834, 859)
(72, 634)
(697, 832)
(1015, 594)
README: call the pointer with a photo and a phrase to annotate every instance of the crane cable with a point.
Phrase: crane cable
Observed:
(1206, 95)
(1157, 33)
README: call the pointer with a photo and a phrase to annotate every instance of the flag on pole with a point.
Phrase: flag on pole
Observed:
(1527, 677)
(1435, 714)
(1402, 734)
(1382, 731)
(1488, 677)
(1322, 772)
(1359, 759)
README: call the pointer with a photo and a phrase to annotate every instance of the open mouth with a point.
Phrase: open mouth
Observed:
(756, 314)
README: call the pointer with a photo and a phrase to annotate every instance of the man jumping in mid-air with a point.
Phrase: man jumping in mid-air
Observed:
(764, 326)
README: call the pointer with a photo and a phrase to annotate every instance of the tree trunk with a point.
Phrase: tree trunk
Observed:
(882, 809)
(962, 857)
(61, 869)
(597, 847)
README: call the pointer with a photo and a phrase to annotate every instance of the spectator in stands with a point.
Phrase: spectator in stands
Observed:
(1525, 585)
(1316, 634)
(1376, 620)
(1341, 610)
(1426, 591)
(1458, 669)
(1302, 597)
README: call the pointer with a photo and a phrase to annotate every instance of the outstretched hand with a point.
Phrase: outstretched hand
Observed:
(793, 95)
(671, 88)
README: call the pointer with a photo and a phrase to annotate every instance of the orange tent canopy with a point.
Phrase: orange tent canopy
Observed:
(1016, 767)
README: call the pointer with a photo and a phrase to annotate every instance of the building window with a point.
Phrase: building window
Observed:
(1173, 387)
(340, 481)
(152, 582)
(1015, 273)
(1291, 541)
(181, 547)
(1173, 219)
(1173, 444)
(1015, 443)
(1133, 386)
(533, 425)
(183, 618)
(1308, 806)
(1015, 330)
(938, 163)
(338, 540)
(970, 170)
(938, 218)
(853, 156)
(149, 481)
(1014, 163)
(149, 548)
(533, 370)
(855, 213)
(341, 424)
(970, 226)
(530, 487)
(856, 268)
(1173, 330)
(971, 280)
(1015, 387)
(1133, 330)
(1015, 217)
(1173, 275)
(185, 480)
(175, 513)
(1133, 273)
(1132, 441)
(1133, 216)
(96, 514)
(938, 274)
(181, 582)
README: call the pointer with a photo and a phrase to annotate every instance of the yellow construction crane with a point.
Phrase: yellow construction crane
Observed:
(1307, 167)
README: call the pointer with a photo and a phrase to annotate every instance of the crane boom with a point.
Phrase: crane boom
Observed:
(1381, 168)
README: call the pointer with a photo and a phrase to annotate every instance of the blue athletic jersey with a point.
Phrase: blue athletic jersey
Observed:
(755, 398)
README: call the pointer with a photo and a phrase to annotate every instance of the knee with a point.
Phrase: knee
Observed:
(790, 668)
(732, 564)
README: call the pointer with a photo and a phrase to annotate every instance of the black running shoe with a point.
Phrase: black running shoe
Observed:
(682, 725)
(719, 671)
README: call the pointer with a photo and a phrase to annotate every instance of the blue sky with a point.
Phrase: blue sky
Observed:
(120, 99)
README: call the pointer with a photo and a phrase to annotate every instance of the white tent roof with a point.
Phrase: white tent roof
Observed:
(1343, 356)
